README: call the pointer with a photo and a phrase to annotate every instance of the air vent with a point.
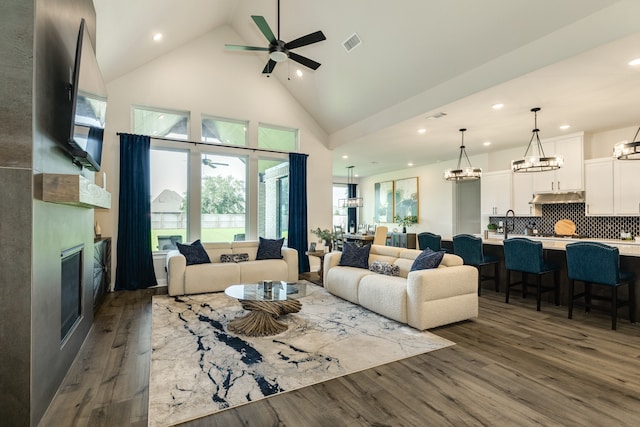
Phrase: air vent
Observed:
(437, 116)
(352, 42)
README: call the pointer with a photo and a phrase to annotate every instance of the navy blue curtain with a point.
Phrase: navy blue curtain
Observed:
(298, 208)
(134, 268)
(351, 212)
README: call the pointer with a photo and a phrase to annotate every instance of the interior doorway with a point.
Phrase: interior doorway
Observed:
(466, 207)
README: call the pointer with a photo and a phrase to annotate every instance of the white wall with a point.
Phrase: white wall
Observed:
(203, 78)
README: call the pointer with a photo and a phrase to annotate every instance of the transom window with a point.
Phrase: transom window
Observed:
(224, 131)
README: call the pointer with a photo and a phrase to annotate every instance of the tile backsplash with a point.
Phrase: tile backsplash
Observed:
(597, 227)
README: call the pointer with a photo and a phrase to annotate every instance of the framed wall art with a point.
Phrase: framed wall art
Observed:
(406, 200)
(383, 201)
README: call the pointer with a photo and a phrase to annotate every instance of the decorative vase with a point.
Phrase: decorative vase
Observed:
(404, 230)
(328, 245)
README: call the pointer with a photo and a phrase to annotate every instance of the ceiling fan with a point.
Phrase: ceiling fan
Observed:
(208, 162)
(278, 50)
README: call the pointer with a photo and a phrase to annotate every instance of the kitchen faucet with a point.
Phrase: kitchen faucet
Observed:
(506, 225)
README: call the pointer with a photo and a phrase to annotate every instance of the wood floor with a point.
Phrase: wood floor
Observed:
(512, 366)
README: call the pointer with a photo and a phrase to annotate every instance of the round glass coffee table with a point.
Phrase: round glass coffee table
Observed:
(265, 304)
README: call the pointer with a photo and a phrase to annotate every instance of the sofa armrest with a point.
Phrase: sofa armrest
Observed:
(290, 256)
(176, 265)
(331, 260)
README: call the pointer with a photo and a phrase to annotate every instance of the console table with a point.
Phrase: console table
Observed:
(403, 240)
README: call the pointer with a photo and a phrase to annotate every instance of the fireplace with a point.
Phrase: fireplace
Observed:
(70, 289)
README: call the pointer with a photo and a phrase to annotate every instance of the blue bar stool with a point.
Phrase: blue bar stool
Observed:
(469, 248)
(431, 241)
(526, 256)
(598, 264)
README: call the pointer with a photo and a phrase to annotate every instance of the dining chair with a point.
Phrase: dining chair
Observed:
(338, 232)
(431, 241)
(527, 257)
(380, 236)
(469, 248)
(595, 263)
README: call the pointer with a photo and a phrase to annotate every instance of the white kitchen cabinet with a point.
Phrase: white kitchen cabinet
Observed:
(626, 194)
(495, 192)
(599, 187)
(522, 185)
(570, 176)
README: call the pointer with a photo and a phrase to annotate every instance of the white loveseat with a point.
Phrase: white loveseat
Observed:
(422, 299)
(216, 276)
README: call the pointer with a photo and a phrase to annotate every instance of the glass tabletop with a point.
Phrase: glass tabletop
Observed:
(280, 291)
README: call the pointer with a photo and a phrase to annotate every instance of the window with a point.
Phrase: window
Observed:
(223, 198)
(161, 123)
(204, 191)
(277, 138)
(273, 198)
(169, 197)
(224, 131)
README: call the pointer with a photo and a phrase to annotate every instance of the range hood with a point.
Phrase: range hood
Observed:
(556, 198)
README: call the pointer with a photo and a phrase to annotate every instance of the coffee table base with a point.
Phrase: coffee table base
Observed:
(262, 319)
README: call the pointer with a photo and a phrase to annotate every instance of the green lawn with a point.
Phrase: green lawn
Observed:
(208, 235)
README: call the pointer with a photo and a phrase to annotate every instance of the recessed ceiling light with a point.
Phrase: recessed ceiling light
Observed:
(423, 130)
(634, 62)
(157, 37)
(565, 127)
(409, 164)
(356, 175)
(344, 156)
(497, 106)
(299, 73)
(486, 143)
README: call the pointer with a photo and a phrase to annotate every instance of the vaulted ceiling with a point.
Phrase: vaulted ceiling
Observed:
(417, 58)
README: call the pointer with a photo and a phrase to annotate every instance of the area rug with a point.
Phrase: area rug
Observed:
(199, 368)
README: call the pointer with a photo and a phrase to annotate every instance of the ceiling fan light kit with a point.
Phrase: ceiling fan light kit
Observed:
(536, 162)
(628, 150)
(280, 51)
(463, 174)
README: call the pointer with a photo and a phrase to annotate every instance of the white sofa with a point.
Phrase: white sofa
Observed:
(422, 299)
(216, 276)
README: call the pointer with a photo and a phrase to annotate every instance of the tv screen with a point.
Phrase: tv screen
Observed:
(89, 104)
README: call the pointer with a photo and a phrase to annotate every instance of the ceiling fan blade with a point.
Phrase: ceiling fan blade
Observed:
(318, 36)
(264, 27)
(310, 63)
(268, 69)
(239, 47)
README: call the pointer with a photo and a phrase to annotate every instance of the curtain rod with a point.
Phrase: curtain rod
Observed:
(239, 147)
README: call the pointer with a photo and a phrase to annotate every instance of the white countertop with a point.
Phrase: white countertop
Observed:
(626, 247)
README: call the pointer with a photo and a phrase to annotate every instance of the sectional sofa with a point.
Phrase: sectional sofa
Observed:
(216, 276)
(422, 299)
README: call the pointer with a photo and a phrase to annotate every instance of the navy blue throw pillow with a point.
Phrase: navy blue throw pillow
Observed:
(270, 249)
(355, 256)
(194, 253)
(427, 259)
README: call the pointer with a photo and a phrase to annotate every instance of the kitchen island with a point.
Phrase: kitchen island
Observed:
(554, 251)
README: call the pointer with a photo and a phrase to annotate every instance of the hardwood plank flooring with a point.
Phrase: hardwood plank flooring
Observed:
(512, 366)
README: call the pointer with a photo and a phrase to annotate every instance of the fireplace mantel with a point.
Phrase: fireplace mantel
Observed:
(74, 190)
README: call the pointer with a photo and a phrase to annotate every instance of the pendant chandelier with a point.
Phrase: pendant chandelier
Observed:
(536, 162)
(628, 150)
(463, 174)
(351, 202)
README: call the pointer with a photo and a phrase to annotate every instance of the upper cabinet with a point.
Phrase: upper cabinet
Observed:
(570, 176)
(611, 188)
(495, 191)
(522, 184)
(598, 186)
(626, 191)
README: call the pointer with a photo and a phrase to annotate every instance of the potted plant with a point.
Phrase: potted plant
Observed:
(492, 227)
(327, 236)
(406, 221)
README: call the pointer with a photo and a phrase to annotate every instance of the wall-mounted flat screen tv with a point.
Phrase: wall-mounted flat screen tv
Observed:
(89, 105)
